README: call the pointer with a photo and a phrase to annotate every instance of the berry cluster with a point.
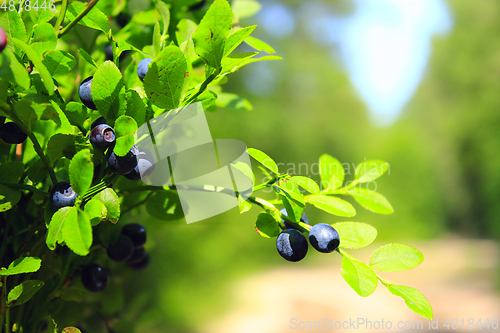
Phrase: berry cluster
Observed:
(292, 244)
(129, 248)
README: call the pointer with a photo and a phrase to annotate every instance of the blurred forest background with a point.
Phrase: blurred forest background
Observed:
(444, 181)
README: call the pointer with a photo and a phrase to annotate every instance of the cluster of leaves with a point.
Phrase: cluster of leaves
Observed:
(353, 235)
(45, 60)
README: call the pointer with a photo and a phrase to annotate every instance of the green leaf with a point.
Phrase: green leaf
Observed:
(11, 172)
(359, 276)
(395, 257)
(94, 19)
(355, 235)
(165, 206)
(243, 168)
(259, 45)
(370, 170)
(234, 62)
(236, 38)
(135, 107)
(22, 265)
(14, 27)
(44, 38)
(40, 16)
(12, 70)
(245, 8)
(306, 183)
(58, 144)
(166, 79)
(263, 159)
(210, 37)
(165, 15)
(125, 129)
(331, 171)
(291, 191)
(371, 200)
(156, 39)
(23, 292)
(59, 62)
(77, 231)
(87, 57)
(207, 99)
(71, 329)
(108, 91)
(110, 199)
(96, 211)
(81, 171)
(54, 234)
(42, 70)
(37, 171)
(414, 299)
(267, 226)
(233, 101)
(8, 198)
(243, 205)
(332, 205)
(76, 113)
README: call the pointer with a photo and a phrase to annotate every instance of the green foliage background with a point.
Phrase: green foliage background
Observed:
(443, 154)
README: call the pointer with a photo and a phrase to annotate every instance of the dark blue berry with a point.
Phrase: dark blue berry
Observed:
(145, 166)
(136, 232)
(138, 255)
(291, 226)
(121, 250)
(98, 121)
(324, 238)
(124, 164)
(102, 136)
(62, 195)
(85, 93)
(141, 264)
(142, 68)
(11, 133)
(94, 277)
(108, 52)
(3, 39)
(292, 245)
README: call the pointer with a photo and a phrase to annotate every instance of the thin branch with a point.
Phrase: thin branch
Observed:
(62, 14)
(77, 19)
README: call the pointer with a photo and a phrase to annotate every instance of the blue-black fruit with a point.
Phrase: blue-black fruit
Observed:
(136, 232)
(85, 93)
(142, 68)
(98, 121)
(145, 166)
(138, 255)
(102, 136)
(94, 277)
(121, 250)
(124, 164)
(141, 264)
(324, 238)
(292, 245)
(11, 133)
(62, 195)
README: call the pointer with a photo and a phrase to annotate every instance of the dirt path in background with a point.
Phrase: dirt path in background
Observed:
(456, 276)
